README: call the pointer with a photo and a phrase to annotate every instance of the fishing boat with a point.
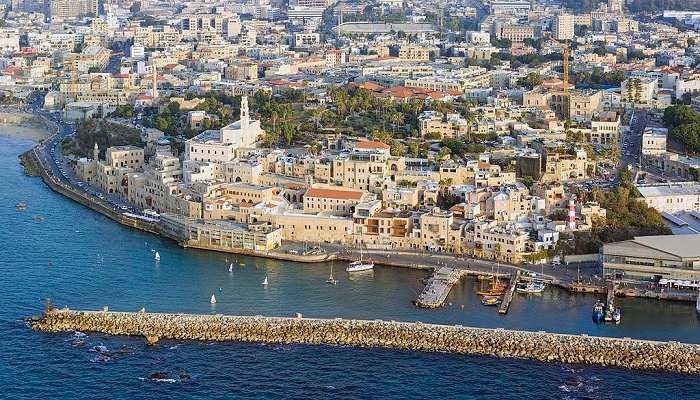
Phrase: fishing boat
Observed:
(331, 280)
(608, 314)
(230, 268)
(264, 283)
(617, 316)
(360, 265)
(213, 299)
(490, 301)
(598, 311)
(157, 256)
(534, 287)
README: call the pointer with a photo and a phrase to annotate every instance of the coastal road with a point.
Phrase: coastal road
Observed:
(584, 272)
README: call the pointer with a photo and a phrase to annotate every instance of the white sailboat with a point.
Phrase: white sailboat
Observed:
(230, 268)
(213, 299)
(331, 280)
(157, 257)
(360, 265)
(264, 283)
(697, 304)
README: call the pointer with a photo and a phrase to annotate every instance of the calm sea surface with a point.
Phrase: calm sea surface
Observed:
(80, 259)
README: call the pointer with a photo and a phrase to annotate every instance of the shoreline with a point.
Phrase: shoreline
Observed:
(34, 167)
(23, 126)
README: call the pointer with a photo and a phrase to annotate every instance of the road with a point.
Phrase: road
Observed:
(59, 166)
(588, 272)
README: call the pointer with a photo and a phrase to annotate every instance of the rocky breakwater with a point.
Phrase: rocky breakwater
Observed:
(546, 347)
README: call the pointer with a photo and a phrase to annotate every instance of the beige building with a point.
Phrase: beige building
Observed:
(563, 27)
(605, 129)
(653, 257)
(414, 53)
(94, 57)
(333, 201)
(671, 197)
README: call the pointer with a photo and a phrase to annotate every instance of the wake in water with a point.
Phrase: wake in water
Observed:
(165, 377)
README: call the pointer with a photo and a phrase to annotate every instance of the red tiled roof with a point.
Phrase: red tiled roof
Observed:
(371, 144)
(333, 194)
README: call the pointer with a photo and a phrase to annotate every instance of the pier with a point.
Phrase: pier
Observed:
(539, 346)
(438, 287)
(503, 309)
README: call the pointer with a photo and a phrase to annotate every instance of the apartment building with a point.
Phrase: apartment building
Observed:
(563, 27)
(671, 197)
(605, 129)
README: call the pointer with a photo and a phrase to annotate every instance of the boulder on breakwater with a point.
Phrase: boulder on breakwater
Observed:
(541, 346)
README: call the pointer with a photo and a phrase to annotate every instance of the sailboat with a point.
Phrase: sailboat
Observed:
(496, 288)
(213, 299)
(230, 268)
(264, 283)
(331, 280)
(360, 265)
(157, 257)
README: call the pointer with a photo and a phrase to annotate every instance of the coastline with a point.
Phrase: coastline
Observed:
(20, 125)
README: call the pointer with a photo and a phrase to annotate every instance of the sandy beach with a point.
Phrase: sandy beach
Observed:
(23, 126)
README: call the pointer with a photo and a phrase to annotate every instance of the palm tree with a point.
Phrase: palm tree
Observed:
(396, 118)
(317, 116)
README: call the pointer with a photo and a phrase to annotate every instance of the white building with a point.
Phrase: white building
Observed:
(220, 145)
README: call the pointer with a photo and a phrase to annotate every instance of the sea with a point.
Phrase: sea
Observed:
(59, 250)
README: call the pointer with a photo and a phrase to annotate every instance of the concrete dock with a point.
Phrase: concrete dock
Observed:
(503, 309)
(438, 287)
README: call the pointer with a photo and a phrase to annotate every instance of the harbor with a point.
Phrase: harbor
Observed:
(438, 287)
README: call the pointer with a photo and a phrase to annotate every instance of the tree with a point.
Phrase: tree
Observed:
(531, 80)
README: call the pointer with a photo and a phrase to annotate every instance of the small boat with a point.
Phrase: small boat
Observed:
(157, 256)
(213, 299)
(21, 205)
(331, 280)
(697, 304)
(534, 287)
(230, 268)
(617, 316)
(484, 277)
(490, 301)
(264, 283)
(598, 312)
(360, 265)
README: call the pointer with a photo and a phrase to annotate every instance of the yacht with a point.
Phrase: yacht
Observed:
(264, 283)
(213, 299)
(360, 265)
(230, 268)
(157, 257)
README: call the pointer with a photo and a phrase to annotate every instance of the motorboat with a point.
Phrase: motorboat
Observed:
(213, 299)
(598, 312)
(617, 316)
(157, 256)
(491, 301)
(534, 287)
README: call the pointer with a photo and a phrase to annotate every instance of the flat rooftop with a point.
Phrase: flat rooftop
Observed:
(669, 189)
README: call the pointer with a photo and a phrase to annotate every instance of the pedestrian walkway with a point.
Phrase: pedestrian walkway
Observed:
(438, 287)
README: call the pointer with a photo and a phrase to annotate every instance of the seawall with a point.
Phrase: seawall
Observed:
(541, 346)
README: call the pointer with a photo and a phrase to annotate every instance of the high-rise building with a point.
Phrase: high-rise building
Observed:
(563, 27)
(68, 9)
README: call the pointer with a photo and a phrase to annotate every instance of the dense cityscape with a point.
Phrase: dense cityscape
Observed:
(524, 146)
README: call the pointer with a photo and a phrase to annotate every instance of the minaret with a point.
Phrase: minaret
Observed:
(155, 82)
(245, 117)
(96, 153)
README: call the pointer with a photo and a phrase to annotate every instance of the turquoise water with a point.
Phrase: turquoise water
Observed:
(80, 259)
